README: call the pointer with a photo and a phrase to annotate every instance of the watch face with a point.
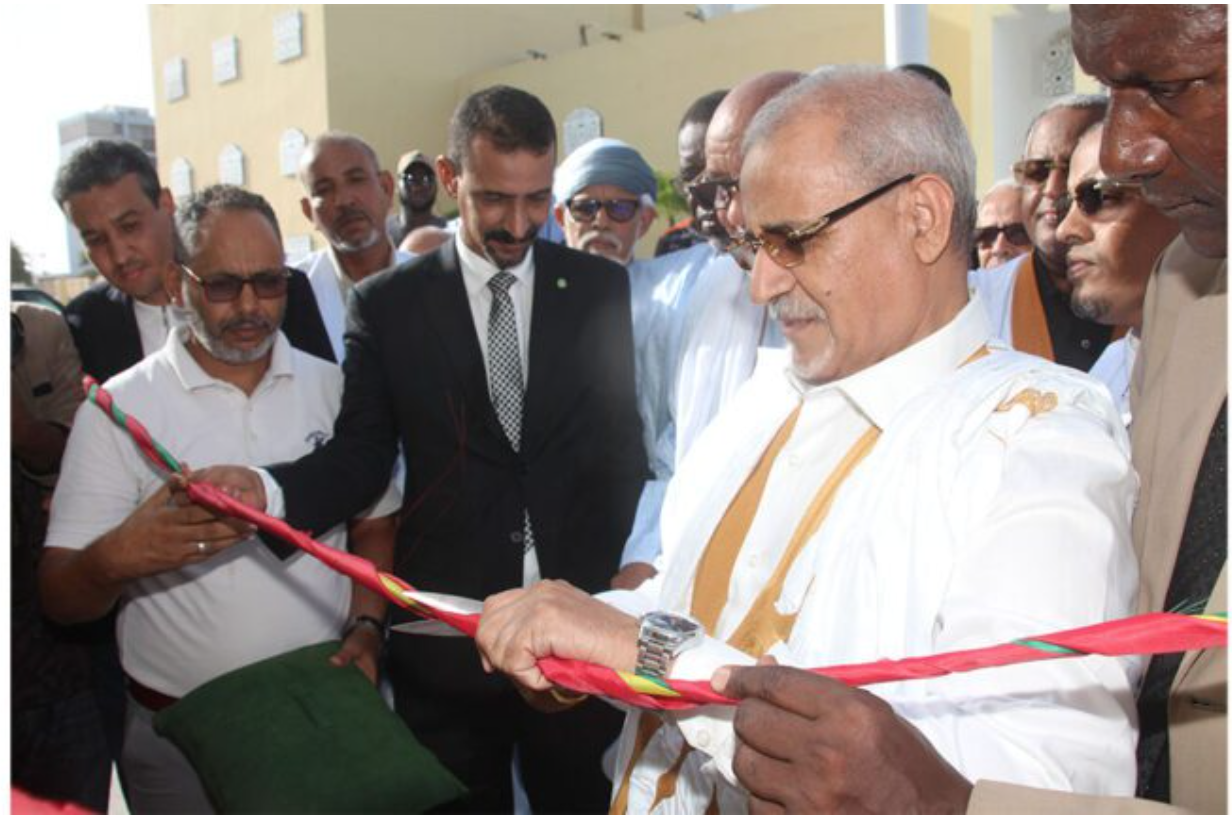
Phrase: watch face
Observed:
(674, 623)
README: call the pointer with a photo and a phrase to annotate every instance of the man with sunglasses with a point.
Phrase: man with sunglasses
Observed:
(416, 186)
(1028, 298)
(346, 197)
(109, 191)
(1114, 237)
(691, 153)
(605, 199)
(1166, 69)
(199, 596)
(1000, 235)
(893, 488)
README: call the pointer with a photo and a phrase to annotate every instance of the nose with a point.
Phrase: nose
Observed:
(1054, 186)
(519, 219)
(769, 279)
(1074, 228)
(1001, 246)
(1129, 149)
(248, 300)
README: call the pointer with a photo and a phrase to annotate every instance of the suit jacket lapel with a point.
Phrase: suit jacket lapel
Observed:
(448, 311)
(553, 335)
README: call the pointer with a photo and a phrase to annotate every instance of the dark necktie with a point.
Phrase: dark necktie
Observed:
(1203, 552)
(505, 374)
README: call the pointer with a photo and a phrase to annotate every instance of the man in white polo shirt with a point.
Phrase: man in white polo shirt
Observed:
(200, 597)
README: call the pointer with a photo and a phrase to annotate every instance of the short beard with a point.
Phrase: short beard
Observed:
(366, 243)
(219, 350)
(1089, 309)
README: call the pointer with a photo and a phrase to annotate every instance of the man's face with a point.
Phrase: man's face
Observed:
(603, 234)
(1112, 251)
(417, 187)
(1053, 139)
(503, 199)
(127, 237)
(1166, 71)
(691, 148)
(856, 298)
(233, 244)
(1000, 235)
(348, 197)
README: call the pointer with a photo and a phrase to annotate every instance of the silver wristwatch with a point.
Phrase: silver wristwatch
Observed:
(663, 636)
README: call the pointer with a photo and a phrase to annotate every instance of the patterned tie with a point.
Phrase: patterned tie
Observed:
(505, 375)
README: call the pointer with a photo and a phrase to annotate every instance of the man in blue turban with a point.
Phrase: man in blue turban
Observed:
(605, 198)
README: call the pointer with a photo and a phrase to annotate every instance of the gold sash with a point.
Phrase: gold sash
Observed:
(1028, 323)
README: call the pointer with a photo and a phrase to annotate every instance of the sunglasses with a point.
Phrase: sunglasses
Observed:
(586, 209)
(787, 249)
(1015, 234)
(225, 288)
(713, 194)
(1092, 195)
(1036, 172)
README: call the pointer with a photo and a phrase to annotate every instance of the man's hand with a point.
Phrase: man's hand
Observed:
(633, 575)
(552, 618)
(163, 535)
(235, 481)
(809, 744)
(361, 647)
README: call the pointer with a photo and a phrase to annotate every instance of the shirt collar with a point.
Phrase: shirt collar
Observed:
(880, 391)
(193, 377)
(477, 269)
(340, 272)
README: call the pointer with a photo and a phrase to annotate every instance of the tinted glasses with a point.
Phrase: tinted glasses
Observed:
(225, 288)
(418, 175)
(787, 248)
(1035, 172)
(1092, 195)
(586, 209)
(1015, 234)
(713, 194)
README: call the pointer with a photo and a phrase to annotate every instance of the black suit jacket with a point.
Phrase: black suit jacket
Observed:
(104, 327)
(415, 375)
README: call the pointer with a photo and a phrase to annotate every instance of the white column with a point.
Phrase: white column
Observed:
(906, 33)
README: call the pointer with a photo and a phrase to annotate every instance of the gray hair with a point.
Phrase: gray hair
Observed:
(213, 200)
(893, 123)
(328, 138)
(1095, 104)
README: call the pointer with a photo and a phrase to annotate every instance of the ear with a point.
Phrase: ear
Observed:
(306, 207)
(448, 175)
(646, 219)
(166, 202)
(386, 181)
(173, 283)
(559, 211)
(931, 210)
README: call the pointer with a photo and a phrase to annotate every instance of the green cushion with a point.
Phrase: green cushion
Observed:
(294, 734)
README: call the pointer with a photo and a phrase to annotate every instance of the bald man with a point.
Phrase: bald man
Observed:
(1000, 235)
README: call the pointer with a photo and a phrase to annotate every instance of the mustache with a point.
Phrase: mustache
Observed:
(500, 235)
(600, 234)
(792, 308)
(348, 212)
(245, 322)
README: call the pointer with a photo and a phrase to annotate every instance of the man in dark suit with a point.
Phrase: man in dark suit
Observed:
(109, 190)
(503, 366)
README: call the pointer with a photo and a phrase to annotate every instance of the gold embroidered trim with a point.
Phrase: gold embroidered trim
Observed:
(1036, 402)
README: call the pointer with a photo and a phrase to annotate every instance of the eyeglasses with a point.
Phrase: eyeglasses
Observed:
(787, 248)
(586, 209)
(1036, 171)
(1015, 234)
(1092, 195)
(225, 288)
(714, 194)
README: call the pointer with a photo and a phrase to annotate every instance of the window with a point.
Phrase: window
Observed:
(175, 85)
(288, 36)
(581, 126)
(231, 165)
(226, 60)
(181, 178)
(290, 147)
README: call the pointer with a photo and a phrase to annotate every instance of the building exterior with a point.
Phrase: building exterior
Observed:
(111, 123)
(241, 88)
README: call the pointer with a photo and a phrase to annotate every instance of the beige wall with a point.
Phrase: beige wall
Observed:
(251, 112)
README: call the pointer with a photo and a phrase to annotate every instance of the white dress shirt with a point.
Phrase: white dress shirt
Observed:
(477, 271)
(154, 323)
(1115, 367)
(965, 526)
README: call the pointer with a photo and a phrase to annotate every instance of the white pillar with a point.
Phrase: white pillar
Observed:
(906, 33)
